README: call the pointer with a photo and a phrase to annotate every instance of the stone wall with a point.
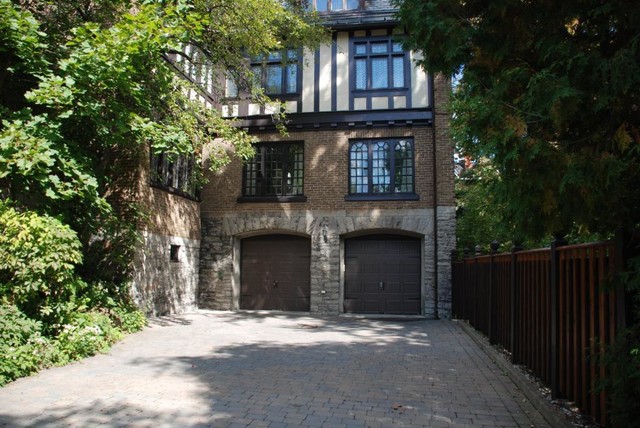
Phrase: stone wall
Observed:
(220, 252)
(163, 286)
(226, 221)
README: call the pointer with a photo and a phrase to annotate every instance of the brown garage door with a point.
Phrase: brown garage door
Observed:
(275, 273)
(382, 275)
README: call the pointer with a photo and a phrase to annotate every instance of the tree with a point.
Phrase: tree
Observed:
(550, 92)
(85, 87)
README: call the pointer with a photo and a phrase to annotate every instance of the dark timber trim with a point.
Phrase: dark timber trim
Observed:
(280, 199)
(316, 81)
(332, 120)
(383, 197)
(334, 71)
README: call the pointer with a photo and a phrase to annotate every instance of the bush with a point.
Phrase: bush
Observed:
(38, 254)
(114, 299)
(23, 349)
(129, 318)
(88, 333)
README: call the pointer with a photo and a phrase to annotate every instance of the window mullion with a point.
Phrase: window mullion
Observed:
(392, 166)
(369, 167)
(390, 82)
(263, 170)
(285, 168)
(369, 65)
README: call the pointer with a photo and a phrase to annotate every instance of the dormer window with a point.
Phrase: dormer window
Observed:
(336, 5)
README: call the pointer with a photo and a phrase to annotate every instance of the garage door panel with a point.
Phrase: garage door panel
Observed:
(371, 306)
(370, 287)
(390, 259)
(275, 273)
(412, 288)
(392, 287)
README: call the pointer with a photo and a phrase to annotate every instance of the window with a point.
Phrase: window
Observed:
(231, 88)
(176, 175)
(336, 5)
(276, 171)
(381, 167)
(277, 72)
(174, 253)
(379, 63)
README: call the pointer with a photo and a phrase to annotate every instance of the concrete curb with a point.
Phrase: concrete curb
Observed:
(553, 415)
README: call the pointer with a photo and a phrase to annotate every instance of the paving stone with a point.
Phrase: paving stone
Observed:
(225, 369)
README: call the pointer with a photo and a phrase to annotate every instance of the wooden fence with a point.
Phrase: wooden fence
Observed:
(553, 309)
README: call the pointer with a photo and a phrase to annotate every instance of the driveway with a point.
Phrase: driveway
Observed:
(225, 369)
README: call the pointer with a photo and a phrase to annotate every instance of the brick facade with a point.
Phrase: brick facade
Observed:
(225, 221)
(209, 234)
(161, 286)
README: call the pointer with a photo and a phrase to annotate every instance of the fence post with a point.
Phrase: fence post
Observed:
(468, 290)
(494, 248)
(474, 321)
(554, 281)
(624, 252)
(514, 289)
(455, 286)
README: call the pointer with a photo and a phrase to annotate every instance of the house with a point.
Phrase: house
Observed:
(352, 211)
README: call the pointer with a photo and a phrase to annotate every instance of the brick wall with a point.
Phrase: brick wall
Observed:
(160, 286)
(325, 174)
(226, 221)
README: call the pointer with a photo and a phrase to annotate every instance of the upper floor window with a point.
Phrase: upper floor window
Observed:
(277, 73)
(379, 63)
(176, 175)
(381, 167)
(336, 5)
(276, 171)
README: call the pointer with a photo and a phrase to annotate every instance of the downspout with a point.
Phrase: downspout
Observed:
(435, 194)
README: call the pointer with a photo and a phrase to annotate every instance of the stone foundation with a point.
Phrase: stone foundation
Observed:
(162, 286)
(219, 286)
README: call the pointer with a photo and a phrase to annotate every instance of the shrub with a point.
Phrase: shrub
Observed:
(23, 349)
(115, 300)
(129, 318)
(88, 333)
(38, 254)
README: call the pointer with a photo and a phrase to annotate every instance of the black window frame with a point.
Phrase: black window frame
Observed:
(174, 174)
(284, 62)
(257, 169)
(330, 6)
(370, 194)
(391, 41)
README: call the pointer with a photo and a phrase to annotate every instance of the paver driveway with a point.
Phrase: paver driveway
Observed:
(242, 369)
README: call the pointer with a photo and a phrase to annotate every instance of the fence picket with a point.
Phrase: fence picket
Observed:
(550, 308)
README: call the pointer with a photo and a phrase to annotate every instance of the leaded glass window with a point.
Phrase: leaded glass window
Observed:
(380, 63)
(335, 5)
(174, 173)
(277, 169)
(277, 72)
(381, 167)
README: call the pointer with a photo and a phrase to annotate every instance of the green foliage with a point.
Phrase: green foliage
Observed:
(37, 258)
(478, 215)
(128, 318)
(550, 96)
(23, 349)
(86, 334)
(550, 93)
(622, 361)
(113, 299)
(85, 89)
